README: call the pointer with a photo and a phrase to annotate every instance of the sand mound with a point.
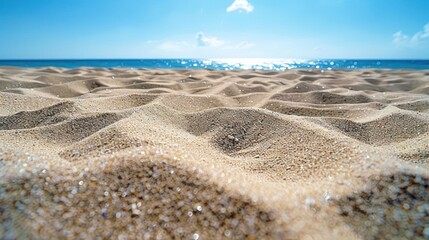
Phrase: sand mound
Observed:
(143, 194)
(127, 153)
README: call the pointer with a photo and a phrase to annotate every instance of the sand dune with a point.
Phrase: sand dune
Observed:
(201, 154)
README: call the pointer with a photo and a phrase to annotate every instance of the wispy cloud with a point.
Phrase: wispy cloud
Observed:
(240, 5)
(243, 45)
(400, 39)
(421, 37)
(206, 41)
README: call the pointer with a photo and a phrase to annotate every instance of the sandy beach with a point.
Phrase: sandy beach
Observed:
(203, 154)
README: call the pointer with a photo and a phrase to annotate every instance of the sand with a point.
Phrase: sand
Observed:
(159, 154)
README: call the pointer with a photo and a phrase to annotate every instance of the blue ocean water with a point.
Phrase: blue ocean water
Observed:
(224, 64)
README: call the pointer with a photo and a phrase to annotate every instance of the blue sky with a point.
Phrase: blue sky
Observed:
(214, 29)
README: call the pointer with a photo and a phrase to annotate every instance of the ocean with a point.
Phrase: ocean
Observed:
(224, 64)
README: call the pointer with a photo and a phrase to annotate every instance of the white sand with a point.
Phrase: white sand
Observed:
(124, 153)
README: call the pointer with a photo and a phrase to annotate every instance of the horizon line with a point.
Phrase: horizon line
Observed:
(95, 59)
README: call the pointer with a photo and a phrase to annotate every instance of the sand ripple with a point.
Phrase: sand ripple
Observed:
(127, 153)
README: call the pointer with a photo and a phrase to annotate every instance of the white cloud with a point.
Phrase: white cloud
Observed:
(205, 41)
(402, 40)
(422, 35)
(239, 5)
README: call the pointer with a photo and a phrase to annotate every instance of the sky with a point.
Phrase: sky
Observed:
(295, 29)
